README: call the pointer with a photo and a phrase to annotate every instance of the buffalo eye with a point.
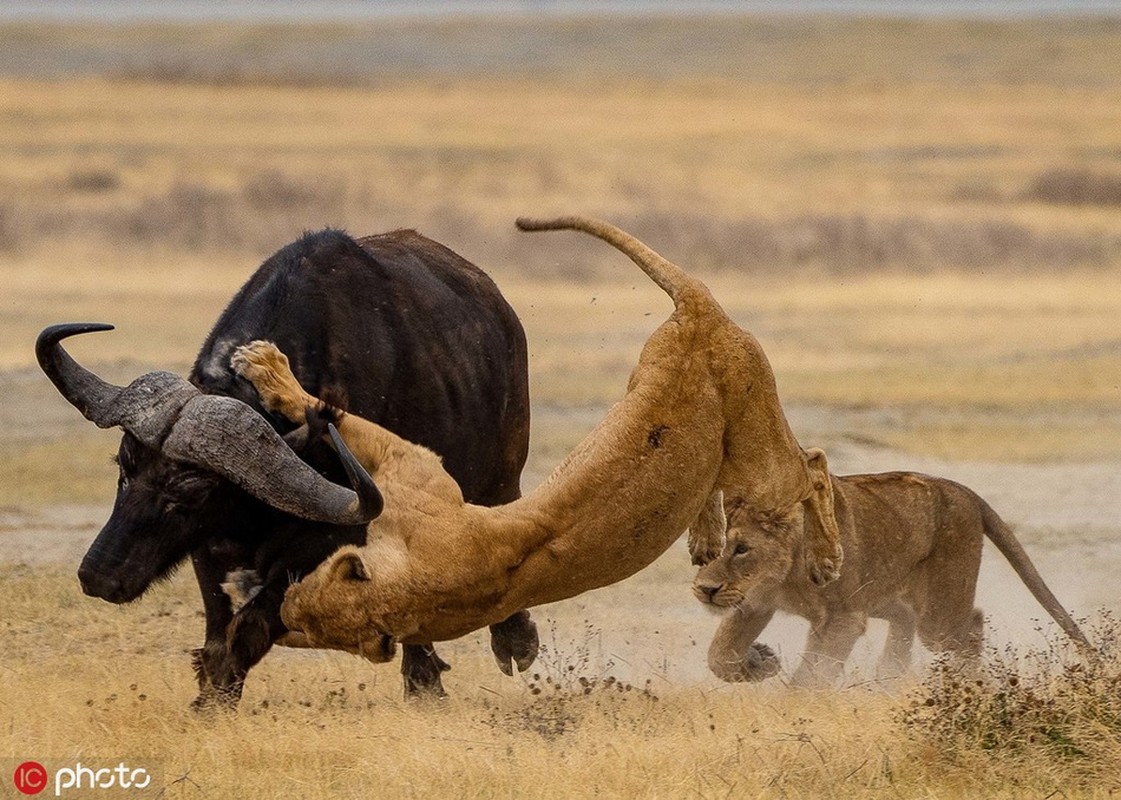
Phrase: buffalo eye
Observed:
(189, 491)
(741, 548)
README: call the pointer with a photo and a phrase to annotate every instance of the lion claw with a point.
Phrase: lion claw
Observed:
(761, 662)
(825, 570)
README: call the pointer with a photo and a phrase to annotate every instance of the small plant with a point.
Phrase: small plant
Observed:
(1045, 703)
(93, 181)
(568, 687)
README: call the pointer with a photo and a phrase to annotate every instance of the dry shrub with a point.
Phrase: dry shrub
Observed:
(10, 234)
(202, 218)
(1076, 187)
(1049, 707)
(854, 243)
(977, 191)
(270, 207)
(569, 686)
(93, 181)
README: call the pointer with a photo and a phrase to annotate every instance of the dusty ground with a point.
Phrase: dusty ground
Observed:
(1068, 515)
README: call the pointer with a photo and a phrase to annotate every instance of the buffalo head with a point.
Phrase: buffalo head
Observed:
(181, 449)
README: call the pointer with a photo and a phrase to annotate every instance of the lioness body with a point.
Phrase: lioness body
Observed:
(912, 555)
(700, 417)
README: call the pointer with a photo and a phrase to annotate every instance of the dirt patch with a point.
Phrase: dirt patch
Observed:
(1068, 515)
(54, 535)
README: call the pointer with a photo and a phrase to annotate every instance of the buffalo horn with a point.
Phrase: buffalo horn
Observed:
(145, 408)
(217, 433)
(226, 436)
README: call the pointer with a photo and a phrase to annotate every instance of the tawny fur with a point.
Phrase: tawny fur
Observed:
(912, 554)
(700, 417)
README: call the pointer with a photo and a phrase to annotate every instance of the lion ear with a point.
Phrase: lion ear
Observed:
(350, 567)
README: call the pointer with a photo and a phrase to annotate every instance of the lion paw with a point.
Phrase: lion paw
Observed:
(761, 662)
(262, 364)
(826, 570)
(758, 664)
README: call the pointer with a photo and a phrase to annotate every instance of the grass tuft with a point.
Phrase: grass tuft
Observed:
(1046, 706)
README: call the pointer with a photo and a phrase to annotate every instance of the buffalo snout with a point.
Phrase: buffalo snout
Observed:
(107, 585)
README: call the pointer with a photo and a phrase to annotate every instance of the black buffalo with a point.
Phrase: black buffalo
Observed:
(396, 328)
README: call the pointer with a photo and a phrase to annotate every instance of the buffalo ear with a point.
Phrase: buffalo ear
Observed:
(350, 567)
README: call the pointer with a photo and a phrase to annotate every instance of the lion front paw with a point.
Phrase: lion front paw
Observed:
(758, 664)
(263, 365)
(761, 662)
(825, 568)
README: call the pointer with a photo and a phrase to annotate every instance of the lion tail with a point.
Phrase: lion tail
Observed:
(1006, 542)
(672, 279)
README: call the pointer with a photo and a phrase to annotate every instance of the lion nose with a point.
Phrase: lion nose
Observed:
(706, 592)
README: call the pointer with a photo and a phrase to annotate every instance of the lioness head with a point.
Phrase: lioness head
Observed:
(762, 548)
(337, 606)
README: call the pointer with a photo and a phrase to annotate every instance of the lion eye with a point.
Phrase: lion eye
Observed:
(741, 548)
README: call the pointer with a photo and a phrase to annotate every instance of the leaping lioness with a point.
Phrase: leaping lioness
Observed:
(700, 416)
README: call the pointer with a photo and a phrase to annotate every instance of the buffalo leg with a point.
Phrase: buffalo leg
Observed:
(421, 668)
(210, 571)
(250, 634)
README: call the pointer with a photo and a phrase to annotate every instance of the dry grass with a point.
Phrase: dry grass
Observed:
(574, 730)
(1046, 704)
(768, 177)
(944, 365)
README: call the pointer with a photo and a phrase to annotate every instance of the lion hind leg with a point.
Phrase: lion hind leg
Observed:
(961, 635)
(823, 551)
(827, 649)
(895, 660)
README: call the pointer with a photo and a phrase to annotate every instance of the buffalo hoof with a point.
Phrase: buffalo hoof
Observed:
(211, 700)
(208, 662)
(515, 641)
(421, 668)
